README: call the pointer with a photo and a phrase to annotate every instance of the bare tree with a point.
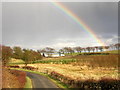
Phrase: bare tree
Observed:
(61, 51)
(49, 51)
(78, 49)
(84, 49)
(93, 49)
(97, 48)
(88, 49)
(101, 48)
(42, 51)
(68, 50)
(65, 50)
(117, 46)
(71, 50)
(112, 47)
(106, 47)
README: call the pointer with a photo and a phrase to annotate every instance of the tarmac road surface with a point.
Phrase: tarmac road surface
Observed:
(41, 82)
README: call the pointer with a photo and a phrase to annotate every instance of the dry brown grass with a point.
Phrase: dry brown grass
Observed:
(53, 58)
(78, 72)
(13, 79)
(9, 80)
(103, 83)
(13, 60)
(75, 76)
(94, 61)
(87, 68)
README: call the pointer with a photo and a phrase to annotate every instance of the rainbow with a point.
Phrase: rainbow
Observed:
(75, 18)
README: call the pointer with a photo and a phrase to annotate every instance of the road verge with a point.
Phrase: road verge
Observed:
(28, 83)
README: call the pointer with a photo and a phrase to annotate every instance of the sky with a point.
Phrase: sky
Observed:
(37, 25)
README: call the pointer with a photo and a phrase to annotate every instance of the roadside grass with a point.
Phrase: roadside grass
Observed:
(57, 82)
(28, 83)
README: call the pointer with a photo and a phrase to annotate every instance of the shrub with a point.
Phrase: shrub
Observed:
(14, 66)
(29, 67)
(21, 77)
(109, 83)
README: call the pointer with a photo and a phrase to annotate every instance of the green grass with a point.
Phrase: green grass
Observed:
(61, 61)
(73, 54)
(28, 83)
(57, 82)
(11, 64)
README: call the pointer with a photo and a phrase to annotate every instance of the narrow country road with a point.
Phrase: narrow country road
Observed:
(40, 81)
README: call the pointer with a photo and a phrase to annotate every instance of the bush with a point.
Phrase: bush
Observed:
(14, 66)
(94, 53)
(109, 83)
(21, 77)
(29, 67)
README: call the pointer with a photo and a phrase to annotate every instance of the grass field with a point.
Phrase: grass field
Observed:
(80, 67)
(14, 61)
(58, 61)
(113, 51)
(77, 72)
(64, 60)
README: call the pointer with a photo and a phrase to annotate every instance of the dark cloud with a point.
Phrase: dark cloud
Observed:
(42, 24)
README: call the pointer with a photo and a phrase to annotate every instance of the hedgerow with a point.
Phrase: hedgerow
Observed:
(103, 83)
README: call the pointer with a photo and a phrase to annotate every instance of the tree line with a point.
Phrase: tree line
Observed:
(79, 49)
(29, 55)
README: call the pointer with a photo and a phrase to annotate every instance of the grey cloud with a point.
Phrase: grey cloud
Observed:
(42, 24)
